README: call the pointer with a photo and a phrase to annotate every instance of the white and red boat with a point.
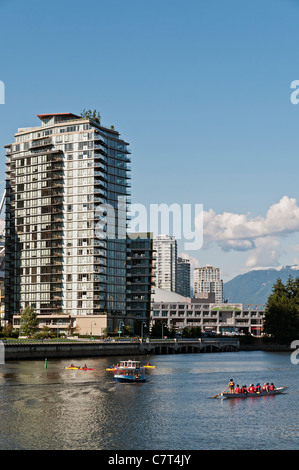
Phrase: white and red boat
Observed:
(129, 371)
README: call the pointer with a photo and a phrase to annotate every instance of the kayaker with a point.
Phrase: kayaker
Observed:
(237, 389)
(251, 388)
(231, 386)
(243, 389)
(265, 387)
(272, 386)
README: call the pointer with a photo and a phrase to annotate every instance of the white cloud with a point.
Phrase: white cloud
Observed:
(267, 253)
(294, 247)
(260, 235)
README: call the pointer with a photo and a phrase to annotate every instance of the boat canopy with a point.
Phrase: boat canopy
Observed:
(130, 364)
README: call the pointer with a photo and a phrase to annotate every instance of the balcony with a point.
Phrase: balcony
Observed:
(57, 158)
(100, 165)
(98, 149)
(57, 254)
(41, 143)
(56, 200)
(56, 176)
(102, 191)
(100, 200)
(98, 173)
(98, 139)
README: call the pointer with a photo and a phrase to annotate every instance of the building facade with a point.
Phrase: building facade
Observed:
(165, 254)
(139, 278)
(183, 277)
(178, 312)
(207, 279)
(64, 254)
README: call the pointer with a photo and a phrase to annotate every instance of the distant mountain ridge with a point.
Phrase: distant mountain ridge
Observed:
(255, 286)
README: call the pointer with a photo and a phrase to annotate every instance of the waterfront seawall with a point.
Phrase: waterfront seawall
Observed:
(56, 350)
(67, 350)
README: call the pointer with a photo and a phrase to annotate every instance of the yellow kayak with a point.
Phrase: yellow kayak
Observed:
(147, 366)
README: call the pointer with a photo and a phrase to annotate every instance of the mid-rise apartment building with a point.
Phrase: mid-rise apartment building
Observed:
(207, 279)
(183, 277)
(139, 278)
(64, 254)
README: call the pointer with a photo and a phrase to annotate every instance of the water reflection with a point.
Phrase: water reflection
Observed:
(55, 408)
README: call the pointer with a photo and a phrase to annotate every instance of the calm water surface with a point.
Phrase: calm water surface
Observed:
(59, 409)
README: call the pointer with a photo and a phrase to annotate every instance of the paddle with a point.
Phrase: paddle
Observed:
(220, 393)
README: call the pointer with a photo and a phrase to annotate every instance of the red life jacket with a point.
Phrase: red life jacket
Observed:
(250, 389)
(237, 390)
(272, 387)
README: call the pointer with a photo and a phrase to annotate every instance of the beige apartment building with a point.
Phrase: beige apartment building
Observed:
(64, 256)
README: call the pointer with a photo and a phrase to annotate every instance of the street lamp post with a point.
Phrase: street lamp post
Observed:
(163, 324)
(143, 323)
(121, 323)
(91, 330)
(58, 322)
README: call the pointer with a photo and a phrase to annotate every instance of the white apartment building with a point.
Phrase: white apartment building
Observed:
(207, 279)
(165, 261)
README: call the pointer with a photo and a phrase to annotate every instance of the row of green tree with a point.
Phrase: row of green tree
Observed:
(281, 320)
(160, 330)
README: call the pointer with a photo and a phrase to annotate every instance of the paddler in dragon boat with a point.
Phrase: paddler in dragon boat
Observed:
(252, 389)
(231, 386)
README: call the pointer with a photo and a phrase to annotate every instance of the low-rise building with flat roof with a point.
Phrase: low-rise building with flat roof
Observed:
(178, 312)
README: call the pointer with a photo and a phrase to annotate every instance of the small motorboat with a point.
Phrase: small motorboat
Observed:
(79, 368)
(129, 371)
(262, 393)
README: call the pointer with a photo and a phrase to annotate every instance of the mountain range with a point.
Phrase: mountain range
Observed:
(254, 287)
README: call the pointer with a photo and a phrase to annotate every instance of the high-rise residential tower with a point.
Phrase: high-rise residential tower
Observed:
(165, 260)
(207, 279)
(63, 253)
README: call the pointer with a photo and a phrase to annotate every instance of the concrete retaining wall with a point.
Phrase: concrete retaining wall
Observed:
(66, 350)
(58, 350)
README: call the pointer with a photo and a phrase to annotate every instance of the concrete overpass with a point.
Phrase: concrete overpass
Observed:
(183, 346)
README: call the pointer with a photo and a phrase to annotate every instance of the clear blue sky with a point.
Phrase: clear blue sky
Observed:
(200, 89)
